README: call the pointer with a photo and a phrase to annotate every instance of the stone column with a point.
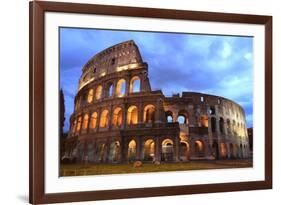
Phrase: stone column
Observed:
(139, 148)
(110, 117)
(124, 116)
(98, 120)
(127, 91)
(157, 149)
(176, 148)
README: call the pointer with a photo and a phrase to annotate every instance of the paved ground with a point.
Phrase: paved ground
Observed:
(98, 169)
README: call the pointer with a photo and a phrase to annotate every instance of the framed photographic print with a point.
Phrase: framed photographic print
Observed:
(138, 102)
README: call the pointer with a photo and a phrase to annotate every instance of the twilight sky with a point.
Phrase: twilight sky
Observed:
(219, 65)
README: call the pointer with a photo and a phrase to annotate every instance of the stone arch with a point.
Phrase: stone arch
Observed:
(221, 125)
(132, 115)
(241, 151)
(231, 151)
(90, 96)
(93, 122)
(132, 150)
(167, 150)
(114, 151)
(85, 122)
(184, 150)
(104, 119)
(149, 150)
(228, 126)
(79, 124)
(149, 113)
(90, 152)
(109, 89)
(169, 116)
(216, 151)
(135, 84)
(120, 88)
(73, 128)
(223, 150)
(101, 152)
(213, 124)
(183, 117)
(234, 127)
(199, 148)
(204, 121)
(117, 117)
(98, 92)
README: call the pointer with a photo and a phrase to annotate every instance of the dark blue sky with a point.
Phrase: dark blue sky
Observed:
(219, 65)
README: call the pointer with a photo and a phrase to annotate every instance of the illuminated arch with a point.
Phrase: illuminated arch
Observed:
(85, 122)
(121, 88)
(104, 119)
(204, 121)
(98, 92)
(135, 84)
(117, 117)
(79, 124)
(223, 150)
(90, 96)
(149, 114)
(182, 117)
(167, 150)
(184, 150)
(149, 149)
(93, 122)
(132, 151)
(199, 148)
(132, 115)
(114, 151)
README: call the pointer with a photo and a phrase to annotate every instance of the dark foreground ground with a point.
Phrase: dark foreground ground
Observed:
(98, 169)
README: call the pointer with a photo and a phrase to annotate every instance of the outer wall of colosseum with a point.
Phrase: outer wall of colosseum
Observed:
(118, 118)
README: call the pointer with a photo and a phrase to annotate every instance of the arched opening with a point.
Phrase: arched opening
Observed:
(90, 96)
(104, 119)
(184, 151)
(149, 114)
(241, 151)
(135, 84)
(132, 115)
(228, 126)
(216, 152)
(231, 150)
(223, 150)
(109, 90)
(182, 117)
(121, 88)
(221, 125)
(101, 155)
(132, 151)
(167, 150)
(79, 124)
(213, 124)
(169, 116)
(234, 127)
(98, 92)
(114, 151)
(74, 126)
(149, 150)
(199, 148)
(85, 122)
(90, 152)
(93, 122)
(117, 117)
(204, 121)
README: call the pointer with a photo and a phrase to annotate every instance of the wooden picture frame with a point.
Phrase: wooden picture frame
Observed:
(37, 101)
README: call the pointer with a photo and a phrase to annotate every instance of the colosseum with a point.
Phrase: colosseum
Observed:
(117, 118)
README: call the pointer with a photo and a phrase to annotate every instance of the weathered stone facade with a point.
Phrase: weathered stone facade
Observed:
(118, 118)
